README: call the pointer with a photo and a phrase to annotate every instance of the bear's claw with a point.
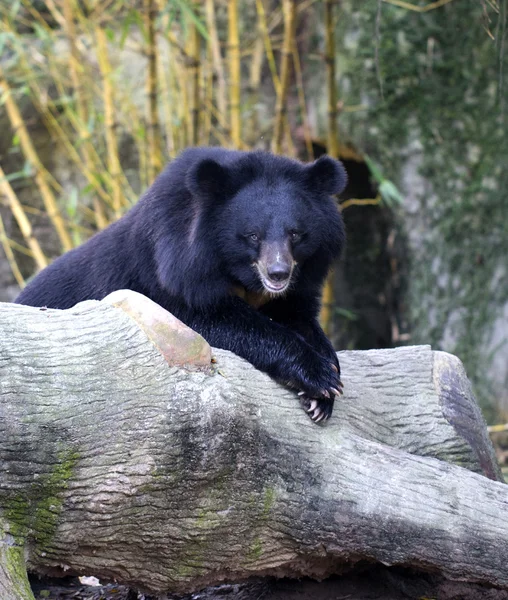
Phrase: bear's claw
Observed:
(317, 409)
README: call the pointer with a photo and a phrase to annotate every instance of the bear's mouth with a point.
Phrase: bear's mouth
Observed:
(273, 287)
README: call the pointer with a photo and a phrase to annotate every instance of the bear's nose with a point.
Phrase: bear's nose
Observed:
(278, 272)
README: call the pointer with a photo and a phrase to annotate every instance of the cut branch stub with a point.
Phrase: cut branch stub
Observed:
(179, 344)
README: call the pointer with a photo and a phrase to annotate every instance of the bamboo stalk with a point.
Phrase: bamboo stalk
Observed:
(76, 72)
(208, 85)
(255, 71)
(54, 126)
(211, 24)
(183, 106)
(114, 166)
(96, 161)
(333, 134)
(9, 254)
(301, 101)
(169, 92)
(326, 315)
(167, 104)
(234, 73)
(55, 13)
(50, 117)
(257, 61)
(285, 73)
(24, 225)
(268, 45)
(28, 149)
(20, 248)
(154, 132)
(193, 76)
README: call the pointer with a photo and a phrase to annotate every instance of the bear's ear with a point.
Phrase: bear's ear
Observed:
(208, 179)
(326, 176)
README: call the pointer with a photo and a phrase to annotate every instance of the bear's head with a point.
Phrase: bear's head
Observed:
(272, 218)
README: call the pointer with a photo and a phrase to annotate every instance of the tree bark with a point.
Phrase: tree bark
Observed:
(117, 462)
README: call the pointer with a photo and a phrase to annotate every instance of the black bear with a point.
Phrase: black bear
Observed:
(237, 245)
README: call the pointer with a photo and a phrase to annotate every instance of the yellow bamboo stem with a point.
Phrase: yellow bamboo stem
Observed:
(256, 65)
(220, 117)
(208, 98)
(285, 73)
(76, 72)
(211, 25)
(301, 101)
(96, 161)
(55, 13)
(28, 149)
(183, 106)
(65, 138)
(168, 101)
(20, 248)
(47, 111)
(9, 254)
(154, 136)
(234, 72)
(24, 225)
(333, 134)
(193, 77)
(360, 202)
(420, 9)
(164, 77)
(114, 166)
(255, 71)
(326, 315)
(327, 304)
(268, 45)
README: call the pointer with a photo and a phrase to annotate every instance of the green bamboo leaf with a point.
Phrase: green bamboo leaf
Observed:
(376, 172)
(41, 32)
(189, 12)
(71, 206)
(347, 314)
(90, 126)
(4, 97)
(62, 101)
(15, 9)
(390, 194)
(133, 18)
(125, 29)
(4, 37)
(14, 176)
(28, 169)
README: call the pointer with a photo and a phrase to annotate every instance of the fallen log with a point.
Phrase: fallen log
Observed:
(125, 455)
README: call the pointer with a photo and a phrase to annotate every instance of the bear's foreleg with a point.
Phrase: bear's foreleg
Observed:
(300, 313)
(270, 347)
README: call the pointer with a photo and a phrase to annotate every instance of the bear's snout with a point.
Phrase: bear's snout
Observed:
(275, 266)
(279, 272)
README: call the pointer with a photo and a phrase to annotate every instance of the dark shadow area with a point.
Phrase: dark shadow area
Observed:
(368, 582)
(369, 279)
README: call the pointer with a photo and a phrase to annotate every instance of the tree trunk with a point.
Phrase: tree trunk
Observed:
(118, 463)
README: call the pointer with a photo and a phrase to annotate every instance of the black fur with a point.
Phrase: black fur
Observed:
(188, 244)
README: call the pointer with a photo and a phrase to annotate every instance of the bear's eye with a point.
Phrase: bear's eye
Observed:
(295, 236)
(253, 237)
